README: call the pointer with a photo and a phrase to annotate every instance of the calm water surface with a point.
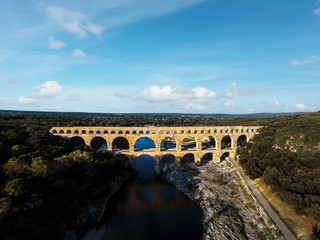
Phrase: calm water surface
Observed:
(149, 208)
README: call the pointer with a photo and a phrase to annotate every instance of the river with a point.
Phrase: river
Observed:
(147, 207)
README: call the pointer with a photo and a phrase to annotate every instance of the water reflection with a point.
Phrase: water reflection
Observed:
(149, 208)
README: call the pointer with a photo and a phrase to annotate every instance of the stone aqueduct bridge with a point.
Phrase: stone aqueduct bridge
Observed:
(157, 134)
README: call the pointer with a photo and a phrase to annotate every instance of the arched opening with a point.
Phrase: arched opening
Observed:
(113, 132)
(140, 132)
(84, 132)
(76, 132)
(120, 143)
(188, 143)
(78, 141)
(145, 165)
(187, 159)
(105, 132)
(174, 132)
(99, 143)
(242, 141)
(226, 142)
(134, 132)
(168, 143)
(224, 156)
(147, 132)
(61, 131)
(182, 132)
(168, 132)
(168, 159)
(98, 132)
(90, 132)
(206, 158)
(54, 131)
(120, 132)
(209, 143)
(144, 143)
(69, 132)
(127, 132)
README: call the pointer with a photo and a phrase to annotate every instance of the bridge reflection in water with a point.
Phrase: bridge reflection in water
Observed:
(148, 207)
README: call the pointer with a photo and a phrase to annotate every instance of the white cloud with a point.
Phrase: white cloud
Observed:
(316, 11)
(298, 107)
(74, 22)
(232, 90)
(195, 107)
(55, 44)
(28, 100)
(308, 60)
(277, 103)
(229, 103)
(48, 89)
(175, 94)
(78, 53)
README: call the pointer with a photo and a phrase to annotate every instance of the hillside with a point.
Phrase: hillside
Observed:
(286, 154)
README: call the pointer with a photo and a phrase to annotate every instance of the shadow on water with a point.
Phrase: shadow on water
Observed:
(147, 207)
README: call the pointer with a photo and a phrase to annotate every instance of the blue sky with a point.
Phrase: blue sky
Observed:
(194, 56)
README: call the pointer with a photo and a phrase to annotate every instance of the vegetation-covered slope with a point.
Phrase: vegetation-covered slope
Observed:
(286, 154)
(47, 182)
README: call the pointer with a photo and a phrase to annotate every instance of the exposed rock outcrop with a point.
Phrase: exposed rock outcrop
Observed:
(229, 210)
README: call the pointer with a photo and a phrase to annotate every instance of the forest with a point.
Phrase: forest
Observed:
(48, 181)
(286, 154)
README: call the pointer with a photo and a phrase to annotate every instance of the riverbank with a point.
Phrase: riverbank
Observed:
(90, 218)
(229, 210)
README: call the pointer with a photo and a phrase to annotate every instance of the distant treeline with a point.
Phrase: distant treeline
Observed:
(286, 154)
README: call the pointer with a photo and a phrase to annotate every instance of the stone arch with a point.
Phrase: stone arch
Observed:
(202, 131)
(209, 131)
(83, 132)
(144, 143)
(161, 132)
(99, 143)
(226, 142)
(175, 132)
(134, 132)
(147, 163)
(98, 132)
(168, 159)
(209, 143)
(195, 131)
(120, 132)
(224, 156)
(68, 131)
(105, 132)
(206, 158)
(54, 131)
(168, 132)
(91, 132)
(215, 131)
(127, 132)
(120, 143)
(188, 143)
(242, 141)
(168, 143)
(140, 132)
(76, 132)
(113, 132)
(61, 131)
(189, 132)
(147, 132)
(78, 140)
(187, 159)
(182, 132)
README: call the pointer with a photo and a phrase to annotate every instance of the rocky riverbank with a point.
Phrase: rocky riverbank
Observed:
(229, 210)
(90, 217)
